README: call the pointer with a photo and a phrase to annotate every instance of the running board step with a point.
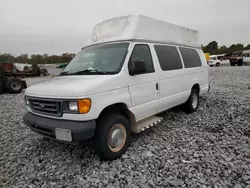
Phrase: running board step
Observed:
(147, 123)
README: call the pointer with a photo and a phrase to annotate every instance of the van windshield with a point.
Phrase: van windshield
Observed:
(98, 59)
(213, 58)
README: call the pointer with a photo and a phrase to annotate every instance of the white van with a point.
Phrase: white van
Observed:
(133, 68)
(246, 57)
(214, 61)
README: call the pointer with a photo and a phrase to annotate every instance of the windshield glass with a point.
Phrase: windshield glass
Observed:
(98, 59)
(212, 58)
(236, 54)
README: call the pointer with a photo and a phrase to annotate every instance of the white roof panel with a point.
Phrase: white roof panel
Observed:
(143, 28)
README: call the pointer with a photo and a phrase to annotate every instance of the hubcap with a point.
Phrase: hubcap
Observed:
(117, 137)
(15, 85)
(194, 100)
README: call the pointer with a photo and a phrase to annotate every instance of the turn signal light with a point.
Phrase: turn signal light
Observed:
(84, 106)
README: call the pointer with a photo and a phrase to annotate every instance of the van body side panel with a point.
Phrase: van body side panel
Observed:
(204, 81)
(195, 76)
(170, 85)
(175, 85)
(142, 89)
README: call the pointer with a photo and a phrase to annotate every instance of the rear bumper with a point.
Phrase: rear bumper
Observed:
(80, 130)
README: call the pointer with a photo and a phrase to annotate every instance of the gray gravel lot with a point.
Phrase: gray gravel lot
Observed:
(210, 147)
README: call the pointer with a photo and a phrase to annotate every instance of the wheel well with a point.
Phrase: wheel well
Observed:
(120, 108)
(196, 86)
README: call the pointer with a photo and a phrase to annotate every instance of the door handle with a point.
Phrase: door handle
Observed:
(157, 86)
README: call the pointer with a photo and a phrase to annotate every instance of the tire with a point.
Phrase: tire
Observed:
(232, 64)
(14, 85)
(102, 142)
(1, 70)
(1, 86)
(190, 105)
(217, 64)
(239, 63)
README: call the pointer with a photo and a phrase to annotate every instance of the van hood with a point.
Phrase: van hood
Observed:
(76, 86)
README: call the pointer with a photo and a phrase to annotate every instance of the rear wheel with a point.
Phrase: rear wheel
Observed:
(14, 85)
(239, 63)
(112, 136)
(193, 101)
(232, 64)
(217, 64)
(1, 86)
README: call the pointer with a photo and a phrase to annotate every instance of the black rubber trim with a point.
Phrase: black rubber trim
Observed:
(81, 130)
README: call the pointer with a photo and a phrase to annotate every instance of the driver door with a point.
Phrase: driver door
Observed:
(143, 87)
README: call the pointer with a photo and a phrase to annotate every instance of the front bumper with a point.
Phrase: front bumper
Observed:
(211, 63)
(80, 130)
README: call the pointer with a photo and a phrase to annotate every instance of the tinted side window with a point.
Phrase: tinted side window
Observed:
(168, 57)
(190, 57)
(142, 52)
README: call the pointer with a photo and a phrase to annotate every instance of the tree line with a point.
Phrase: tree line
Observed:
(37, 58)
(213, 48)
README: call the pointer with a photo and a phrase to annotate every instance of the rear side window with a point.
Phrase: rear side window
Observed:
(190, 57)
(142, 52)
(168, 57)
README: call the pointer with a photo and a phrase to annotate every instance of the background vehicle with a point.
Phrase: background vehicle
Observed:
(119, 83)
(8, 80)
(236, 58)
(246, 57)
(62, 66)
(207, 56)
(214, 61)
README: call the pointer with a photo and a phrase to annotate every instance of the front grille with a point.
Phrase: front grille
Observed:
(46, 106)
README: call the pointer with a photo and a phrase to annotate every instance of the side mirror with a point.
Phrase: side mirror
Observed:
(137, 67)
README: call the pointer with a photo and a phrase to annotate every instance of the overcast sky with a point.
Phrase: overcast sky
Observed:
(57, 26)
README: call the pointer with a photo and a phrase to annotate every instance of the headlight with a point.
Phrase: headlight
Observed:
(26, 101)
(73, 106)
(81, 106)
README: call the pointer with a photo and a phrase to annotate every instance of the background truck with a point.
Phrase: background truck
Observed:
(9, 82)
(236, 58)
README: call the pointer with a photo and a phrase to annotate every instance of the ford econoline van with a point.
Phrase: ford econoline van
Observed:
(133, 68)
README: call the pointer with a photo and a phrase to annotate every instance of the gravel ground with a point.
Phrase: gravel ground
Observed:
(209, 148)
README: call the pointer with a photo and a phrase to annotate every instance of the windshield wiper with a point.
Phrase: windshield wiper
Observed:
(83, 72)
(89, 71)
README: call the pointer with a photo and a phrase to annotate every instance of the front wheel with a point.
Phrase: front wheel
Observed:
(112, 136)
(193, 101)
